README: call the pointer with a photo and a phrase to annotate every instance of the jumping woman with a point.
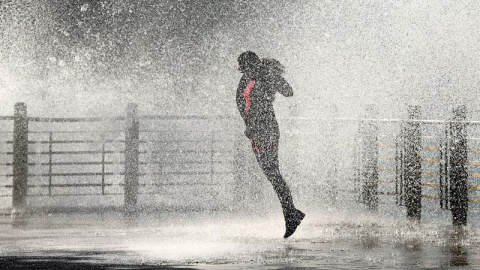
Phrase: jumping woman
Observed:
(255, 94)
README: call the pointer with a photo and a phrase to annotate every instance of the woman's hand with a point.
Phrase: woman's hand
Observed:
(249, 132)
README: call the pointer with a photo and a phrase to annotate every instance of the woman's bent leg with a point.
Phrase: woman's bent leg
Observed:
(267, 157)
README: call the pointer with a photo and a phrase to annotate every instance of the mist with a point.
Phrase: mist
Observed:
(75, 58)
(202, 196)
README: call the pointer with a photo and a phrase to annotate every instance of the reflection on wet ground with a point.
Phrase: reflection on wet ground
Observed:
(228, 241)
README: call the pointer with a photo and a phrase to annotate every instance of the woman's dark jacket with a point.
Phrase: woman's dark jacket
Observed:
(261, 124)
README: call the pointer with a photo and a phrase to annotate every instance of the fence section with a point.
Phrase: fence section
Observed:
(423, 162)
(196, 162)
(130, 162)
(6, 157)
(187, 161)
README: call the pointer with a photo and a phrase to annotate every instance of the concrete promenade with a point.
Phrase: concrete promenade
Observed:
(330, 240)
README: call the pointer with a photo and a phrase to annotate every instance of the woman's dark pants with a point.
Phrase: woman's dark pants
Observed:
(266, 154)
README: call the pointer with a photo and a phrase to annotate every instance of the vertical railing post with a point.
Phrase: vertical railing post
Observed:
(446, 168)
(441, 176)
(132, 134)
(239, 168)
(412, 163)
(20, 158)
(212, 154)
(458, 167)
(50, 160)
(369, 162)
(331, 133)
(103, 163)
(399, 167)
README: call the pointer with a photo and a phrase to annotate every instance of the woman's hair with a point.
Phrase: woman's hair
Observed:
(273, 66)
(248, 59)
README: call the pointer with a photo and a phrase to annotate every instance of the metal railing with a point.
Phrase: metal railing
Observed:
(84, 161)
(419, 159)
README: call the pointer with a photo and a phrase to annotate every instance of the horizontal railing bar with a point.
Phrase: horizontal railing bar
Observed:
(425, 121)
(386, 181)
(73, 141)
(187, 141)
(185, 162)
(64, 185)
(82, 163)
(385, 193)
(429, 172)
(431, 137)
(158, 192)
(385, 169)
(121, 162)
(178, 184)
(69, 185)
(436, 197)
(474, 162)
(185, 151)
(79, 194)
(386, 145)
(70, 163)
(474, 187)
(121, 152)
(119, 184)
(426, 196)
(182, 173)
(176, 131)
(431, 160)
(71, 152)
(75, 119)
(228, 117)
(185, 117)
(69, 174)
(118, 141)
(430, 184)
(432, 197)
(121, 173)
(75, 131)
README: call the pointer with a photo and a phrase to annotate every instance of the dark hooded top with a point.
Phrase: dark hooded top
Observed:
(260, 120)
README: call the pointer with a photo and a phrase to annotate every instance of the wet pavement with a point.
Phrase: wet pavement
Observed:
(335, 239)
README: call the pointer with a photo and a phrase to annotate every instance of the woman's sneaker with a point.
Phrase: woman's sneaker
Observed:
(291, 223)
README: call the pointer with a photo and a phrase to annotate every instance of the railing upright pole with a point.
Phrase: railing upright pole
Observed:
(332, 141)
(50, 160)
(20, 158)
(239, 168)
(413, 166)
(370, 159)
(103, 163)
(132, 134)
(399, 168)
(458, 167)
